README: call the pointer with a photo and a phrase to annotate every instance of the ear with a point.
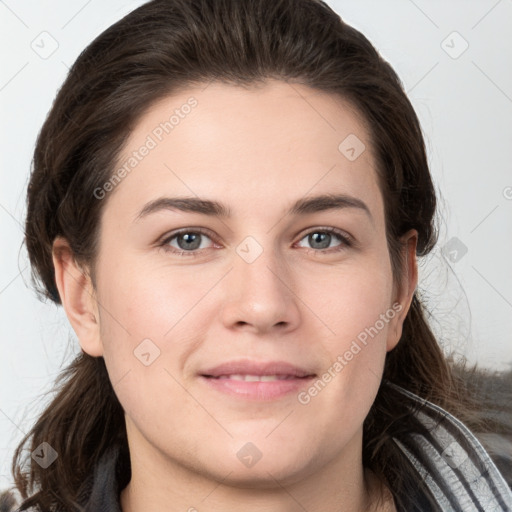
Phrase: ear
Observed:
(78, 297)
(404, 292)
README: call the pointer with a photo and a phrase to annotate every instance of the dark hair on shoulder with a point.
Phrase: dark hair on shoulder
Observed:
(162, 47)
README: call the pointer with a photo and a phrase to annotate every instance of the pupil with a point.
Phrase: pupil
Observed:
(189, 239)
(314, 236)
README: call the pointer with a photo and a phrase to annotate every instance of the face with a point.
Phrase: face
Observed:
(245, 331)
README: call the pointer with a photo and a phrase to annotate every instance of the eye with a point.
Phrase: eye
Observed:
(321, 239)
(188, 242)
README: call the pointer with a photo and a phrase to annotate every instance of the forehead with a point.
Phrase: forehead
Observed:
(274, 141)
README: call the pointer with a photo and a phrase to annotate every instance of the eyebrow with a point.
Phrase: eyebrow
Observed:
(303, 206)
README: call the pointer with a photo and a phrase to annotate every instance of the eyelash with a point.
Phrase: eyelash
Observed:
(346, 239)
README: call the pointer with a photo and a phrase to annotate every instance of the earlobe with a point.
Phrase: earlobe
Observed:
(405, 292)
(77, 297)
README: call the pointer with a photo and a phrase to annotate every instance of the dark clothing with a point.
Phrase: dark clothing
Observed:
(454, 470)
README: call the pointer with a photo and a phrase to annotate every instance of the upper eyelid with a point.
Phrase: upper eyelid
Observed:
(173, 234)
(345, 237)
(307, 231)
(333, 231)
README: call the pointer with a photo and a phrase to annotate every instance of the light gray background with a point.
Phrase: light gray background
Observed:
(463, 100)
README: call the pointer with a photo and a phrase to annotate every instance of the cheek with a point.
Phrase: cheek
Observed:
(357, 308)
(142, 302)
(152, 320)
(352, 300)
(142, 316)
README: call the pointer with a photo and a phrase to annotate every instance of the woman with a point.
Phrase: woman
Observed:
(228, 199)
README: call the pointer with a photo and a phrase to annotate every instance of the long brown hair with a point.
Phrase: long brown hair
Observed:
(166, 45)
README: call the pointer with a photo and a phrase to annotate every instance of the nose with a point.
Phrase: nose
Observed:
(259, 293)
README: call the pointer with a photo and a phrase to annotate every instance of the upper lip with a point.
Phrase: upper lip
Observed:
(248, 367)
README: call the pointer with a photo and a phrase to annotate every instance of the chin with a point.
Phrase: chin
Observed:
(267, 475)
(261, 465)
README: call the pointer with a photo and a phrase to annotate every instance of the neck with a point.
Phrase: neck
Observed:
(343, 483)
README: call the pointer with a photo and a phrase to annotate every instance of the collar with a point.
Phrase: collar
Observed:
(458, 472)
(455, 467)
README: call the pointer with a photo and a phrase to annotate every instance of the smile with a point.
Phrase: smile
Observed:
(255, 378)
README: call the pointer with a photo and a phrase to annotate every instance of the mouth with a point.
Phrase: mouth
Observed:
(253, 380)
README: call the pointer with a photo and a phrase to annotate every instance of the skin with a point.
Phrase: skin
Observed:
(295, 302)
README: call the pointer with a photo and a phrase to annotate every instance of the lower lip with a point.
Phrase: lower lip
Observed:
(269, 390)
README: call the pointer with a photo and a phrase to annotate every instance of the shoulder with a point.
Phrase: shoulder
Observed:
(100, 490)
(458, 472)
(8, 501)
